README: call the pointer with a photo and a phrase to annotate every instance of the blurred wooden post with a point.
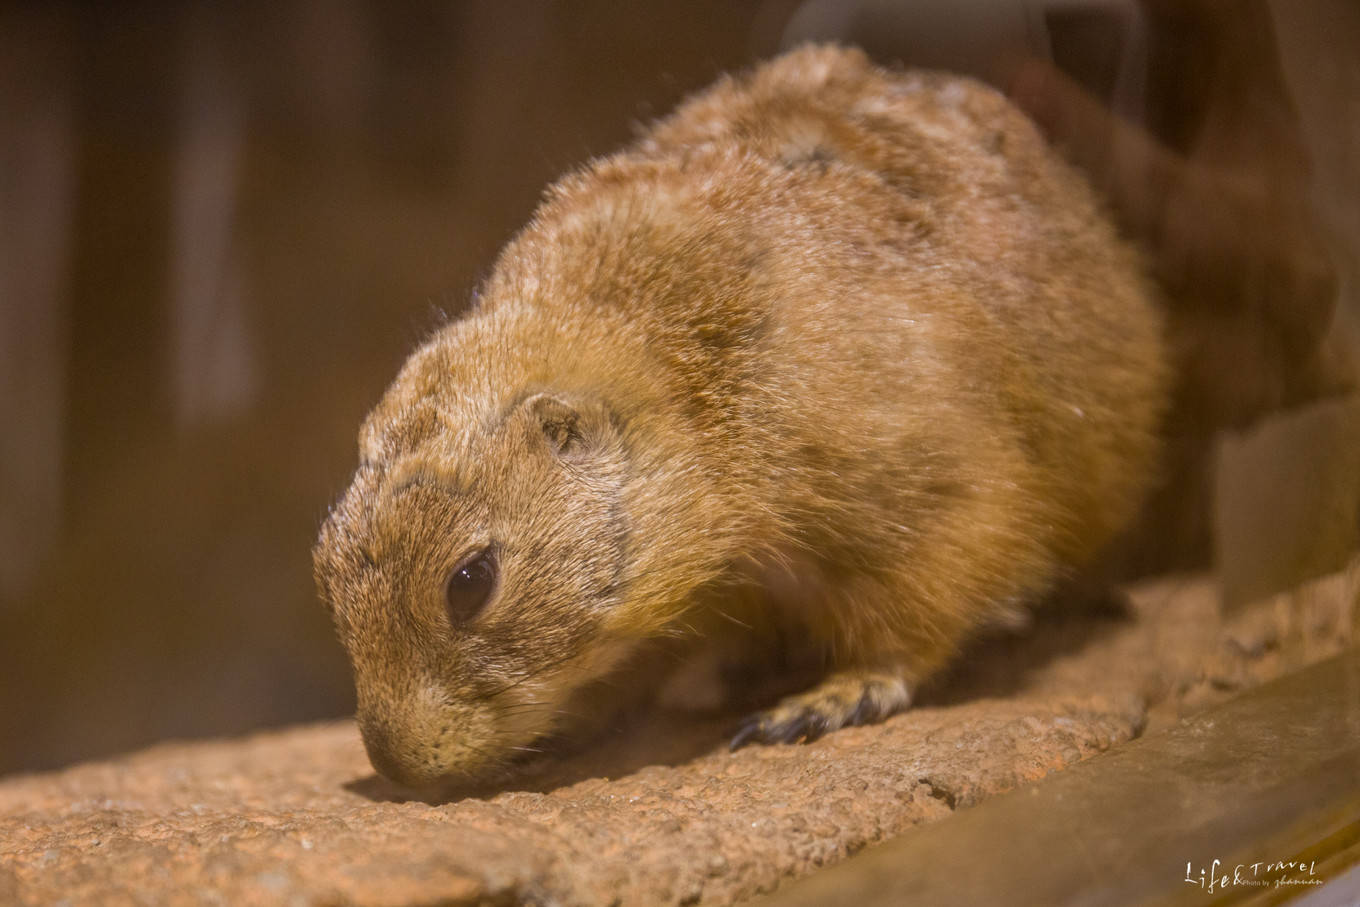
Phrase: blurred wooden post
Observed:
(119, 394)
(36, 148)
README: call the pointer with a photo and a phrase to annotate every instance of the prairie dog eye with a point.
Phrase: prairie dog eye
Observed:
(469, 586)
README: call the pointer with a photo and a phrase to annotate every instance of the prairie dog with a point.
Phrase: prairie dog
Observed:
(855, 336)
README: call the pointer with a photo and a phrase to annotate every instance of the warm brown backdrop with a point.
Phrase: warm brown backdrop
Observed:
(221, 228)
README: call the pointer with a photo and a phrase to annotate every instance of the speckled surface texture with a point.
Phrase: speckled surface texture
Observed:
(660, 813)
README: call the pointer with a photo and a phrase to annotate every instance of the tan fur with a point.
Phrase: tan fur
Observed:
(857, 334)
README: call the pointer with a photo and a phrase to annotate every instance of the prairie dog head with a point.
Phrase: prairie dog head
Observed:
(473, 568)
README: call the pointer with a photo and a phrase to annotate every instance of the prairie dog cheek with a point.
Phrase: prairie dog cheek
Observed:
(535, 706)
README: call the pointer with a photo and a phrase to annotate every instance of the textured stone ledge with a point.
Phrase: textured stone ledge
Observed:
(661, 814)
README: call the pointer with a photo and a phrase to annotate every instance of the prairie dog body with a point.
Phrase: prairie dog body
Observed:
(858, 333)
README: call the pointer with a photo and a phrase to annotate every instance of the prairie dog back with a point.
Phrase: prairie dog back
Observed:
(857, 337)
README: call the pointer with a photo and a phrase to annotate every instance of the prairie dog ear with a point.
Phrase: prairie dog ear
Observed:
(573, 431)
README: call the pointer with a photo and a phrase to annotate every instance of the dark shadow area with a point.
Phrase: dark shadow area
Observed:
(995, 665)
(662, 737)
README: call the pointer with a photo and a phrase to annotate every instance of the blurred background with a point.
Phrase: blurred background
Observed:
(222, 227)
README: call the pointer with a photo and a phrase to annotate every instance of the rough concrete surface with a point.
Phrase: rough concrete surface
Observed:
(660, 813)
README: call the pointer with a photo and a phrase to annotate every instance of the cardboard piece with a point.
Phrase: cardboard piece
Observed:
(1287, 500)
